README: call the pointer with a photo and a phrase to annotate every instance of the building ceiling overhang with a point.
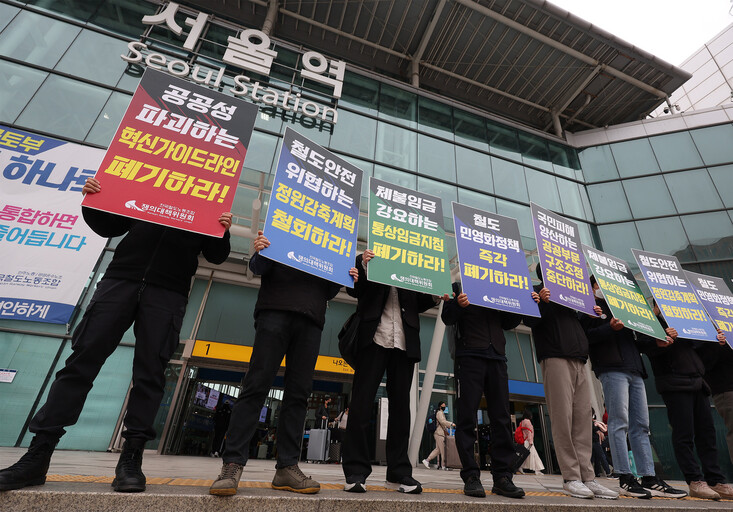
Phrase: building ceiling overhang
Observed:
(526, 60)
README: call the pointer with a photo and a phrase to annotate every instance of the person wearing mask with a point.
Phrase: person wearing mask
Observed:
(481, 369)
(718, 361)
(441, 430)
(562, 351)
(678, 373)
(388, 341)
(618, 365)
(146, 285)
(289, 317)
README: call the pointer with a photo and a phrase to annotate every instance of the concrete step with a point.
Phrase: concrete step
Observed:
(80, 480)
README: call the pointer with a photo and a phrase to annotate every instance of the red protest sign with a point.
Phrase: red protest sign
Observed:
(177, 155)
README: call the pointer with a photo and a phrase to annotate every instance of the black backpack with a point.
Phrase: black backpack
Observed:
(432, 422)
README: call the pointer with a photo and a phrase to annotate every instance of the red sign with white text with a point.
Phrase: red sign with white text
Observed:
(177, 155)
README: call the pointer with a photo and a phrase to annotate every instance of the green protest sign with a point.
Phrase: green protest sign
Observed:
(622, 293)
(407, 236)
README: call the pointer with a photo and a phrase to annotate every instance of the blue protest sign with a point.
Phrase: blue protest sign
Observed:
(561, 260)
(717, 300)
(491, 261)
(675, 296)
(312, 219)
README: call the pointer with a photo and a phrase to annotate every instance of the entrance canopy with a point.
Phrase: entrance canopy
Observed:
(526, 60)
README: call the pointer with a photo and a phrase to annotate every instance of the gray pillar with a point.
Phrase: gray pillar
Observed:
(427, 388)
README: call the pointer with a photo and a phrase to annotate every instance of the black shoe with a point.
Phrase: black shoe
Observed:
(658, 487)
(406, 484)
(630, 487)
(474, 488)
(129, 476)
(32, 467)
(355, 483)
(505, 487)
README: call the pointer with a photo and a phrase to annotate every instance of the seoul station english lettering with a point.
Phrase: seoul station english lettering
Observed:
(250, 50)
(243, 85)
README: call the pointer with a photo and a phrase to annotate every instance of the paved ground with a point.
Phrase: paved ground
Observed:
(80, 481)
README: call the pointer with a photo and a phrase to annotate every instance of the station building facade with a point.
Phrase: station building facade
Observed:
(658, 184)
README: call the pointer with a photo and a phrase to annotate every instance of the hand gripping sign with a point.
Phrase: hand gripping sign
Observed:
(675, 296)
(622, 293)
(561, 260)
(407, 236)
(176, 157)
(491, 260)
(717, 300)
(313, 218)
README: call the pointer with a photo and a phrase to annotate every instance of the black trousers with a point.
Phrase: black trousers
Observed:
(278, 334)
(692, 427)
(474, 377)
(599, 459)
(117, 304)
(371, 364)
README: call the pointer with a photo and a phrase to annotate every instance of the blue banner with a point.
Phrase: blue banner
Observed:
(717, 300)
(561, 260)
(313, 218)
(491, 261)
(47, 252)
(675, 296)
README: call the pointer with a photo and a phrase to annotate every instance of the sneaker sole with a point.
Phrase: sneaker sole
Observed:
(30, 483)
(356, 487)
(581, 496)
(662, 494)
(223, 492)
(605, 497)
(306, 490)
(635, 495)
(414, 489)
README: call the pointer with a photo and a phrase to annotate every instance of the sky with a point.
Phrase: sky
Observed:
(669, 29)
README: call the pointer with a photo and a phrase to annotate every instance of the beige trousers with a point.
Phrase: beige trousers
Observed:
(567, 391)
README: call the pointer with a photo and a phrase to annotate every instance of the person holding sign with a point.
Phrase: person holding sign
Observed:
(289, 317)
(678, 373)
(145, 284)
(388, 340)
(718, 361)
(618, 365)
(481, 369)
(562, 351)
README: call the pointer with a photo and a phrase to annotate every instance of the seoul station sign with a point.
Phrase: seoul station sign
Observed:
(250, 51)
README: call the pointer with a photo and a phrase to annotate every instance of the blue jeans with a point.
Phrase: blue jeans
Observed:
(627, 414)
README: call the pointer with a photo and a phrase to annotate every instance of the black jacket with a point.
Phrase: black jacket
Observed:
(612, 350)
(285, 288)
(372, 298)
(718, 362)
(676, 367)
(155, 254)
(479, 327)
(557, 333)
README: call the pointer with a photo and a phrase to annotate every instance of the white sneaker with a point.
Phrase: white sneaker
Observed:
(599, 491)
(577, 489)
(426, 463)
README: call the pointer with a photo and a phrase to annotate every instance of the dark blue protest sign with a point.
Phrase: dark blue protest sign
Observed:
(675, 296)
(312, 219)
(561, 260)
(717, 300)
(491, 261)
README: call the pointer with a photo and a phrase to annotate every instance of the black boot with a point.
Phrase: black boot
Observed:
(32, 467)
(128, 473)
